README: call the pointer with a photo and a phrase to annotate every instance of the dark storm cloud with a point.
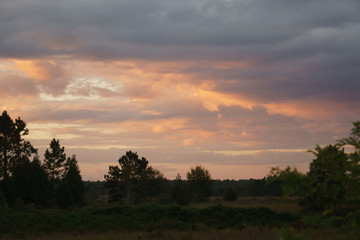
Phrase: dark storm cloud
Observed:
(112, 27)
(298, 49)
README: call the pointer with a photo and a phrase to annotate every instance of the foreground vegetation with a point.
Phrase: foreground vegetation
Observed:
(157, 221)
(144, 217)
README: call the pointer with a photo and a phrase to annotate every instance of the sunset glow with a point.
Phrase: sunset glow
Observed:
(235, 86)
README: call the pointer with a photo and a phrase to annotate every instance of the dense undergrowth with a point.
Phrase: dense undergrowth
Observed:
(144, 217)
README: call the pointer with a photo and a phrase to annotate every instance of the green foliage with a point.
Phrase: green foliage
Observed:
(230, 194)
(54, 160)
(352, 195)
(293, 182)
(332, 186)
(354, 138)
(134, 179)
(200, 184)
(327, 178)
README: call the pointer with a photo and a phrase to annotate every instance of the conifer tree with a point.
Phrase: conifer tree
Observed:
(54, 160)
(73, 179)
(12, 146)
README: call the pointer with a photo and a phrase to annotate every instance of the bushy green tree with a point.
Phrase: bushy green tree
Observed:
(352, 196)
(54, 162)
(293, 182)
(133, 179)
(327, 178)
(200, 184)
(333, 181)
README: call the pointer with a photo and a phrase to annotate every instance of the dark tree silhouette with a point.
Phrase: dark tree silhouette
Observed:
(180, 192)
(12, 146)
(54, 160)
(133, 179)
(29, 182)
(200, 184)
(74, 181)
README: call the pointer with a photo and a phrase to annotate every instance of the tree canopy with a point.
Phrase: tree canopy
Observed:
(133, 179)
(26, 181)
(200, 184)
(12, 145)
(54, 160)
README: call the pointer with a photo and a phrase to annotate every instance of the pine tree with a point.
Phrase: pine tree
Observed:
(54, 160)
(12, 146)
(73, 179)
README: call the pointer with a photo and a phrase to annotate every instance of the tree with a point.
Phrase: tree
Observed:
(200, 183)
(327, 178)
(74, 181)
(133, 179)
(293, 182)
(54, 160)
(179, 191)
(30, 183)
(353, 139)
(352, 196)
(12, 146)
(333, 181)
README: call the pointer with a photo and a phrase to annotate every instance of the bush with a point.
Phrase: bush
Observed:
(230, 194)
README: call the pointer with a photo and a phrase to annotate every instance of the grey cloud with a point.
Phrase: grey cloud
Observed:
(113, 25)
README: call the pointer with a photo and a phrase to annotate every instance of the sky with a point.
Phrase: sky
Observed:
(236, 86)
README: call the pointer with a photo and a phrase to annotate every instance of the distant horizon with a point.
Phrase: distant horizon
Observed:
(235, 86)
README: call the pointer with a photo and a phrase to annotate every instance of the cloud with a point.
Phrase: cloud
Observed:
(49, 76)
(16, 86)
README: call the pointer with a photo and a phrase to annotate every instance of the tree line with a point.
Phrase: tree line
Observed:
(134, 181)
(331, 185)
(56, 181)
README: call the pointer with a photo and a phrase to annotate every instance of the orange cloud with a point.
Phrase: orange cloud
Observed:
(39, 70)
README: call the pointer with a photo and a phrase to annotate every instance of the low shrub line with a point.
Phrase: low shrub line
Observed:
(144, 217)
